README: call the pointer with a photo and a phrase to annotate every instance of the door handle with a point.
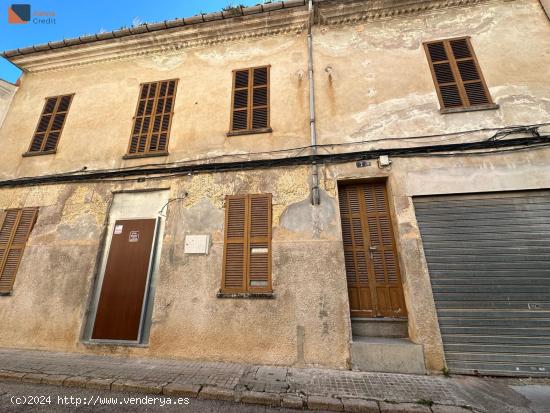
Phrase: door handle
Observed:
(373, 248)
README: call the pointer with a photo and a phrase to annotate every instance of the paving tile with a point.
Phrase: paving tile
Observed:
(360, 406)
(217, 393)
(137, 386)
(33, 378)
(11, 375)
(266, 399)
(292, 401)
(449, 409)
(181, 389)
(324, 403)
(97, 383)
(55, 379)
(403, 408)
(75, 381)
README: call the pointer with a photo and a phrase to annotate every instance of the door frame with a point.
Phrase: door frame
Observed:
(354, 180)
(147, 290)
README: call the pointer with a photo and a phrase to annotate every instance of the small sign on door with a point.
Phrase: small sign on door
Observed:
(118, 229)
(133, 236)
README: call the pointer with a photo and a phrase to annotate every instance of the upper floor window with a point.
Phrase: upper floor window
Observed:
(153, 119)
(50, 125)
(250, 101)
(457, 75)
(15, 227)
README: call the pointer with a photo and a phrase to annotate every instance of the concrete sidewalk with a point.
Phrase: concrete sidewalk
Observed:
(308, 388)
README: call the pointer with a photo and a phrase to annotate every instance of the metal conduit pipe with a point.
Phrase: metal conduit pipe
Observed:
(315, 196)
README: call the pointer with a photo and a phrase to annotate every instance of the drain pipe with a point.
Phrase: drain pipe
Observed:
(315, 196)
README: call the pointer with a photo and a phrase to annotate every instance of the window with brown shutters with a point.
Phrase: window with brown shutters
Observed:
(153, 119)
(49, 128)
(15, 227)
(250, 101)
(457, 75)
(247, 249)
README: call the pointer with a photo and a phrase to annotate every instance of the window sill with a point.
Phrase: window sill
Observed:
(27, 154)
(145, 155)
(476, 108)
(96, 343)
(254, 296)
(249, 132)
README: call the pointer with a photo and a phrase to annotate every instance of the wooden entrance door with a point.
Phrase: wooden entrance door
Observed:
(372, 270)
(119, 310)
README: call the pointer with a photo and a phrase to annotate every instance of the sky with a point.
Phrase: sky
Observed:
(77, 18)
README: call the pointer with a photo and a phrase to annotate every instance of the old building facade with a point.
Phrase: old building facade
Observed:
(163, 195)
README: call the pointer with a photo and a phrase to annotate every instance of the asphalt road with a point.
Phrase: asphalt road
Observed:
(58, 399)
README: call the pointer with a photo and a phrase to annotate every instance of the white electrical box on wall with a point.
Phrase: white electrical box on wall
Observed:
(196, 244)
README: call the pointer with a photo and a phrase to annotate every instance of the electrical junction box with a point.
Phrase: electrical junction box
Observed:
(384, 160)
(196, 244)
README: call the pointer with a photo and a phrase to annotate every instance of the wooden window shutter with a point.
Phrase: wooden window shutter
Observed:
(247, 250)
(15, 227)
(153, 118)
(250, 101)
(456, 73)
(49, 128)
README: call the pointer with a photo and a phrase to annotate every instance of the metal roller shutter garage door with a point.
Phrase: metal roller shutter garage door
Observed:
(488, 257)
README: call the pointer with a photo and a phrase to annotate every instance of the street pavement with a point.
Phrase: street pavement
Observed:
(210, 384)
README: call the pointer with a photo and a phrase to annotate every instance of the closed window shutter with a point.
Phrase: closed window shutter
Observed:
(259, 265)
(15, 227)
(235, 244)
(250, 103)
(247, 250)
(50, 125)
(153, 118)
(456, 73)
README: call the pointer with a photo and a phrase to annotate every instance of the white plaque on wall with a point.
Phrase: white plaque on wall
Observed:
(196, 244)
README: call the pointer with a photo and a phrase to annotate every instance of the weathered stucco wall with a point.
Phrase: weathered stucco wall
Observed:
(7, 91)
(306, 324)
(98, 126)
(409, 177)
(379, 83)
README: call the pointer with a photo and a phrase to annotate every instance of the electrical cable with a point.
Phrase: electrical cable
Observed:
(486, 145)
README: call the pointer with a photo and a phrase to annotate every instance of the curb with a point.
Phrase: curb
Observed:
(287, 400)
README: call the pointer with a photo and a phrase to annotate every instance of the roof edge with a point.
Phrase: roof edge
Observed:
(155, 27)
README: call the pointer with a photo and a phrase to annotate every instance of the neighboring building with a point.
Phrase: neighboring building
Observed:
(163, 197)
(7, 91)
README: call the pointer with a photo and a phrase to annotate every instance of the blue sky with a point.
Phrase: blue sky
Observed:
(76, 18)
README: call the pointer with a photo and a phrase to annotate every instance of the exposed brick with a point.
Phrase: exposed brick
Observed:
(403, 408)
(292, 401)
(181, 389)
(324, 403)
(360, 406)
(266, 399)
(217, 393)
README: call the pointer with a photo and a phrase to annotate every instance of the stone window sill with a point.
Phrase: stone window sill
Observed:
(38, 153)
(249, 132)
(476, 108)
(254, 296)
(144, 155)
(113, 344)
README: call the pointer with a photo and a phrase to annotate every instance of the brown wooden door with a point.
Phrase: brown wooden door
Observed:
(372, 270)
(118, 315)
